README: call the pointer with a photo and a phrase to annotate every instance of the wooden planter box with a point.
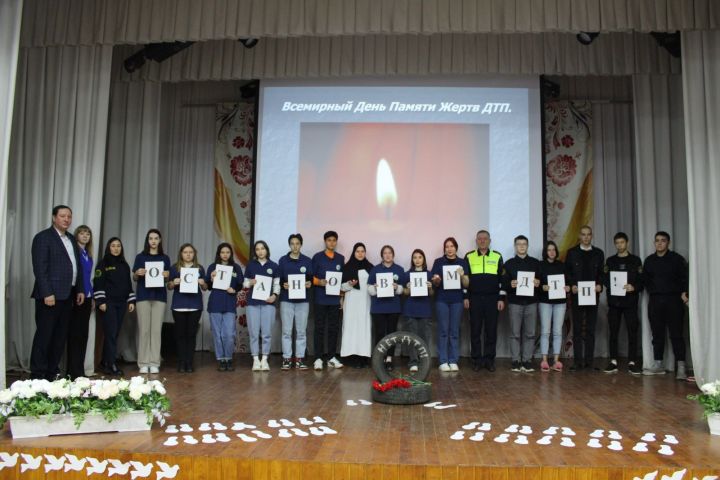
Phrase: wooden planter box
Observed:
(46, 425)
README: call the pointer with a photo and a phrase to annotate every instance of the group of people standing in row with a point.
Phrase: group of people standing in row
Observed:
(356, 313)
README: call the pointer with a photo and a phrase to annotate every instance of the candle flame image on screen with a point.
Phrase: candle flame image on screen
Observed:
(385, 188)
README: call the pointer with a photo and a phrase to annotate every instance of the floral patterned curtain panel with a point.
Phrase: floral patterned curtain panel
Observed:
(568, 171)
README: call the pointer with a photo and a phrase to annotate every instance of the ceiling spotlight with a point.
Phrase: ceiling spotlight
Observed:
(669, 41)
(586, 38)
(158, 52)
(249, 42)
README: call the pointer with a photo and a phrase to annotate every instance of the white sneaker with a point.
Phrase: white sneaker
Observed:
(318, 365)
(154, 370)
(335, 363)
(444, 367)
(414, 368)
(264, 366)
(144, 370)
(257, 366)
(454, 367)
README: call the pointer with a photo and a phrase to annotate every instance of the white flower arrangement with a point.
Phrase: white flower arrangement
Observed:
(709, 399)
(83, 396)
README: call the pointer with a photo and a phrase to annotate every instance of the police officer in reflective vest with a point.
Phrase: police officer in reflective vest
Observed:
(485, 299)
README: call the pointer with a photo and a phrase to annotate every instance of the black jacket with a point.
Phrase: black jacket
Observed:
(510, 272)
(666, 275)
(112, 283)
(633, 266)
(584, 266)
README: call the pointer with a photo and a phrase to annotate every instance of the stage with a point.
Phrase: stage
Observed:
(391, 442)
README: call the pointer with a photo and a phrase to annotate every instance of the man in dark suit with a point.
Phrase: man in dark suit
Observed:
(58, 283)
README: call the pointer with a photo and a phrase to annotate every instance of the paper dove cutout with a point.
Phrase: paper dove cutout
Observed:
(261, 434)
(526, 430)
(221, 437)
(166, 471)
(594, 443)
(665, 450)
(189, 439)
(171, 429)
(551, 431)
(671, 439)
(478, 437)
(204, 427)
(7, 460)
(273, 424)
(305, 421)
(351, 403)
(364, 402)
(648, 437)
(521, 440)
(485, 427)
(326, 430)
(546, 440)
(615, 445)
(286, 423)
(459, 435)
(568, 432)
(208, 438)
(283, 433)
(567, 442)
(141, 470)
(171, 442)
(432, 404)
(512, 428)
(219, 426)
(96, 466)
(676, 475)
(316, 431)
(443, 407)
(73, 463)
(640, 447)
(648, 476)
(53, 463)
(300, 433)
(31, 462)
(471, 426)
(614, 435)
(118, 467)
(502, 438)
(246, 438)
(598, 433)
(319, 420)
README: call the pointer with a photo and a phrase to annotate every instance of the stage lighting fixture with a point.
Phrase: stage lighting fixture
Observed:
(249, 42)
(669, 41)
(586, 38)
(158, 52)
(549, 88)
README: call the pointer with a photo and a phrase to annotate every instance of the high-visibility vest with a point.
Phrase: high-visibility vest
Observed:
(488, 263)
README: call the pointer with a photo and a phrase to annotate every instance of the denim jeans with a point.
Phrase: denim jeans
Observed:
(224, 331)
(551, 314)
(260, 319)
(448, 318)
(297, 312)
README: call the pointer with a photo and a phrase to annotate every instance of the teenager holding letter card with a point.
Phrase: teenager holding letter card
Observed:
(385, 310)
(295, 274)
(261, 313)
(417, 308)
(356, 341)
(552, 311)
(449, 304)
(222, 304)
(187, 306)
(150, 302)
(327, 307)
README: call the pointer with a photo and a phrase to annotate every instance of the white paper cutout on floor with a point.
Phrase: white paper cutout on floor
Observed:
(613, 435)
(364, 402)
(246, 438)
(7, 460)
(261, 434)
(546, 440)
(676, 475)
(326, 430)
(351, 403)
(238, 426)
(526, 430)
(221, 437)
(74, 463)
(521, 440)
(52, 463)
(166, 471)
(171, 442)
(648, 476)
(568, 432)
(443, 407)
(648, 437)
(615, 445)
(485, 427)
(319, 420)
(316, 431)
(671, 439)
(300, 433)
(204, 427)
(141, 470)
(478, 437)
(186, 428)
(208, 438)
(512, 428)
(190, 440)
(551, 431)
(305, 421)
(502, 438)
(117, 467)
(640, 447)
(286, 423)
(567, 442)
(471, 426)
(598, 433)
(171, 429)
(283, 433)
(666, 450)
(96, 466)
(459, 435)
(274, 424)
(432, 404)
(31, 462)
(594, 443)
(219, 426)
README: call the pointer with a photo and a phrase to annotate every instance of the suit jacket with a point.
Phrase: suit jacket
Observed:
(52, 266)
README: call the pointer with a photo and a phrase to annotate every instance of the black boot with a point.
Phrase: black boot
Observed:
(222, 366)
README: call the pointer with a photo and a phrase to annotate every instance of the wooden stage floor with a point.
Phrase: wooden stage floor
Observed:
(392, 442)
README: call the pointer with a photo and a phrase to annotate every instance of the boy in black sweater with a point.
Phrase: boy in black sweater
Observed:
(666, 280)
(623, 305)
